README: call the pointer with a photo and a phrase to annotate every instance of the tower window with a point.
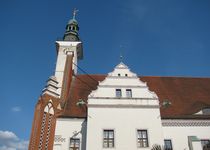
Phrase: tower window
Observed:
(118, 93)
(142, 138)
(128, 93)
(74, 144)
(108, 139)
(168, 145)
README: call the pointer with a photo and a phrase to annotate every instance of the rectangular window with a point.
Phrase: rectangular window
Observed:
(118, 93)
(205, 144)
(168, 145)
(128, 93)
(74, 144)
(108, 139)
(142, 138)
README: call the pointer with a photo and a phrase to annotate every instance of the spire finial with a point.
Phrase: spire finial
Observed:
(75, 12)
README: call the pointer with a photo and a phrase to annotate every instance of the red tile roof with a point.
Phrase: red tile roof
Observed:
(187, 95)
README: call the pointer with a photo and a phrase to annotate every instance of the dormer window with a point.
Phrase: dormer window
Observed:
(118, 93)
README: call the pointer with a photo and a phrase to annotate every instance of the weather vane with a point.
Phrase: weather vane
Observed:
(75, 12)
(121, 57)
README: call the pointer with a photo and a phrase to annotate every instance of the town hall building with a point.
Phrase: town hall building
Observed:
(119, 110)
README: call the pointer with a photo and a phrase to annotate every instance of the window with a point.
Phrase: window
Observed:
(142, 138)
(126, 74)
(74, 144)
(118, 93)
(205, 144)
(108, 139)
(119, 75)
(128, 93)
(168, 145)
(206, 111)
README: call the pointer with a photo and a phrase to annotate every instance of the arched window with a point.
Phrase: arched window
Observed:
(49, 108)
(46, 125)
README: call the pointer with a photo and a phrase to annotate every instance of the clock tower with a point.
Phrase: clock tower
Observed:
(54, 96)
(69, 51)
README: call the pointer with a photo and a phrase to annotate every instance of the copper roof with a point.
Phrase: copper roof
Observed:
(187, 95)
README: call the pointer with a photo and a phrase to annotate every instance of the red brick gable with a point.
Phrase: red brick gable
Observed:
(187, 95)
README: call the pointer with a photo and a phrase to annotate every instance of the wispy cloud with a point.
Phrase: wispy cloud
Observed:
(9, 141)
(16, 109)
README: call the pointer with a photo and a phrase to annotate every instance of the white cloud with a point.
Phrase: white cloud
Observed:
(9, 141)
(16, 109)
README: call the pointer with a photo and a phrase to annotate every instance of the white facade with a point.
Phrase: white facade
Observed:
(124, 105)
(67, 128)
(180, 132)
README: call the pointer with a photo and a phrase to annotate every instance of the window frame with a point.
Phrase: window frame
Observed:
(138, 139)
(206, 144)
(118, 93)
(170, 144)
(73, 138)
(128, 93)
(108, 139)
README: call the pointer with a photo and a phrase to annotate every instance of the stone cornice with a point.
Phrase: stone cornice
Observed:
(122, 106)
(122, 86)
(123, 98)
(184, 123)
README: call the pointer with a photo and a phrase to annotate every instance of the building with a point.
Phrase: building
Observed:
(120, 110)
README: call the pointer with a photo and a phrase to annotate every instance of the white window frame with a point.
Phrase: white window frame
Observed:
(114, 139)
(118, 93)
(129, 93)
(137, 135)
(74, 138)
(171, 144)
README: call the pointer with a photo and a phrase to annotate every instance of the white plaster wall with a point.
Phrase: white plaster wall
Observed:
(125, 122)
(66, 128)
(124, 115)
(137, 92)
(140, 103)
(179, 135)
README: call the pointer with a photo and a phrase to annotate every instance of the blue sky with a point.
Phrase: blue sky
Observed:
(155, 37)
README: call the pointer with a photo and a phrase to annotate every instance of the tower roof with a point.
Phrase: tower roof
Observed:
(72, 28)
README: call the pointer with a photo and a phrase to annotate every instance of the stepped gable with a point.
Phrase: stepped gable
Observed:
(187, 95)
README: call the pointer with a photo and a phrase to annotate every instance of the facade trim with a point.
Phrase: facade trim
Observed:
(121, 106)
(123, 86)
(122, 98)
(185, 123)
